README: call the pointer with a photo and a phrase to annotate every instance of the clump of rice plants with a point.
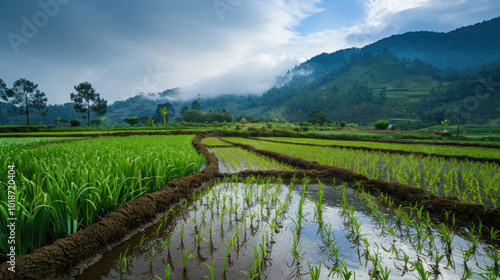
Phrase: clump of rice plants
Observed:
(67, 186)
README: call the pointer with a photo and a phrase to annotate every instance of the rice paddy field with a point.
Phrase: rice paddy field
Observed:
(67, 186)
(263, 229)
(470, 181)
(235, 213)
(441, 149)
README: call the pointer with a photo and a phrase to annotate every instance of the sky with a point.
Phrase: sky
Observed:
(205, 47)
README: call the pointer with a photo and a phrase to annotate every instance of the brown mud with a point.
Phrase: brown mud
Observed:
(391, 151)
(57, 259)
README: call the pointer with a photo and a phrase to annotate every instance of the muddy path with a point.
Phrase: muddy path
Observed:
(61, 257)
(389, 151)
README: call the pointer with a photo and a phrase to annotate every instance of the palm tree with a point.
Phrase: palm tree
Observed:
(58, 121)
(103, 118)
(445, 124)
(163, 113)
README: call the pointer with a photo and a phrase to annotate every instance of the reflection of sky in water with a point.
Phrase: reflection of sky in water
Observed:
(281, 263)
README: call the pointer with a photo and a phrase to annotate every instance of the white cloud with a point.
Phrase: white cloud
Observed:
(114, 48)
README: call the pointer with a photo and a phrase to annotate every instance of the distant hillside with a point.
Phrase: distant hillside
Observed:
(469, 46)
(424, 75)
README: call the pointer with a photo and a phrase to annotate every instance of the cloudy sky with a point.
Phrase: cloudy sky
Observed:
(206, 47)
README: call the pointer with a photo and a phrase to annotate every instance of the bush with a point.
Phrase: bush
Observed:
(132, 120)
(238, 127)
(381, 124)
(269, 125)
(150, 121)
(96, 121)
(75, 122)
(342, 124)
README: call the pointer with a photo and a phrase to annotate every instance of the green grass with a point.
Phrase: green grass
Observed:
(77, 132)
(442, 150)
(64, 187)
(214, 141)
(469, 181)
(17, 143)
(237, 159)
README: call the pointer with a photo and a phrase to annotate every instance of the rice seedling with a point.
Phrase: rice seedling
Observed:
(211, 268)
(150, 254)
(122, 259)
(167, 243)
(185, 257)
(167, 273)
(314, 271)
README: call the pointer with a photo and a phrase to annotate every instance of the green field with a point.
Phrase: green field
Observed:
(65, 187)
(431, 149)
(469, 181)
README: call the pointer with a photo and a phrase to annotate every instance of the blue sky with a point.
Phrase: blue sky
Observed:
(206, 47)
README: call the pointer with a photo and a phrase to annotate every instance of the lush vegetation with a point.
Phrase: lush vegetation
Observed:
(9, 144)
(236, 160)
(469, 181)
(67, 186)
(214, 141)
(431, 149)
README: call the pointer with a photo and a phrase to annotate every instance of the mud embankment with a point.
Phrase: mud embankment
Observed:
(56, 259)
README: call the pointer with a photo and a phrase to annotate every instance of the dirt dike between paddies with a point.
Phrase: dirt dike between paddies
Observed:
(466, 214)
(389, 151)
(52, 261)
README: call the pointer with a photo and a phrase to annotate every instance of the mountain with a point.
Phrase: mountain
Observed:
(470, 46)
(423, 75)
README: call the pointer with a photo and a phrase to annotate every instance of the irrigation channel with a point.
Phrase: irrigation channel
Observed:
(273, 216)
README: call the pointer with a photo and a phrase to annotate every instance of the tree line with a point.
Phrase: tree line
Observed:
(26, 98)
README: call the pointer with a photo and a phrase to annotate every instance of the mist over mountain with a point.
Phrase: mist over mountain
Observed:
(424, 75)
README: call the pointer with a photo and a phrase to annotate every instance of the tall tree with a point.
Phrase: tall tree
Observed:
(5, 95)
(163, 113)
(316, 116)
(170, 112)
(26, 95)
(196, 105)
(87, 99)
(184, 109)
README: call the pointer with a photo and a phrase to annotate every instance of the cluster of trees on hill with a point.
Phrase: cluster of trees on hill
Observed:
(25, 98)
(165, 112)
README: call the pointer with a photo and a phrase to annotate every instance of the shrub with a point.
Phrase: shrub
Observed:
(381, 124)
(75, 122)
(132, 120)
